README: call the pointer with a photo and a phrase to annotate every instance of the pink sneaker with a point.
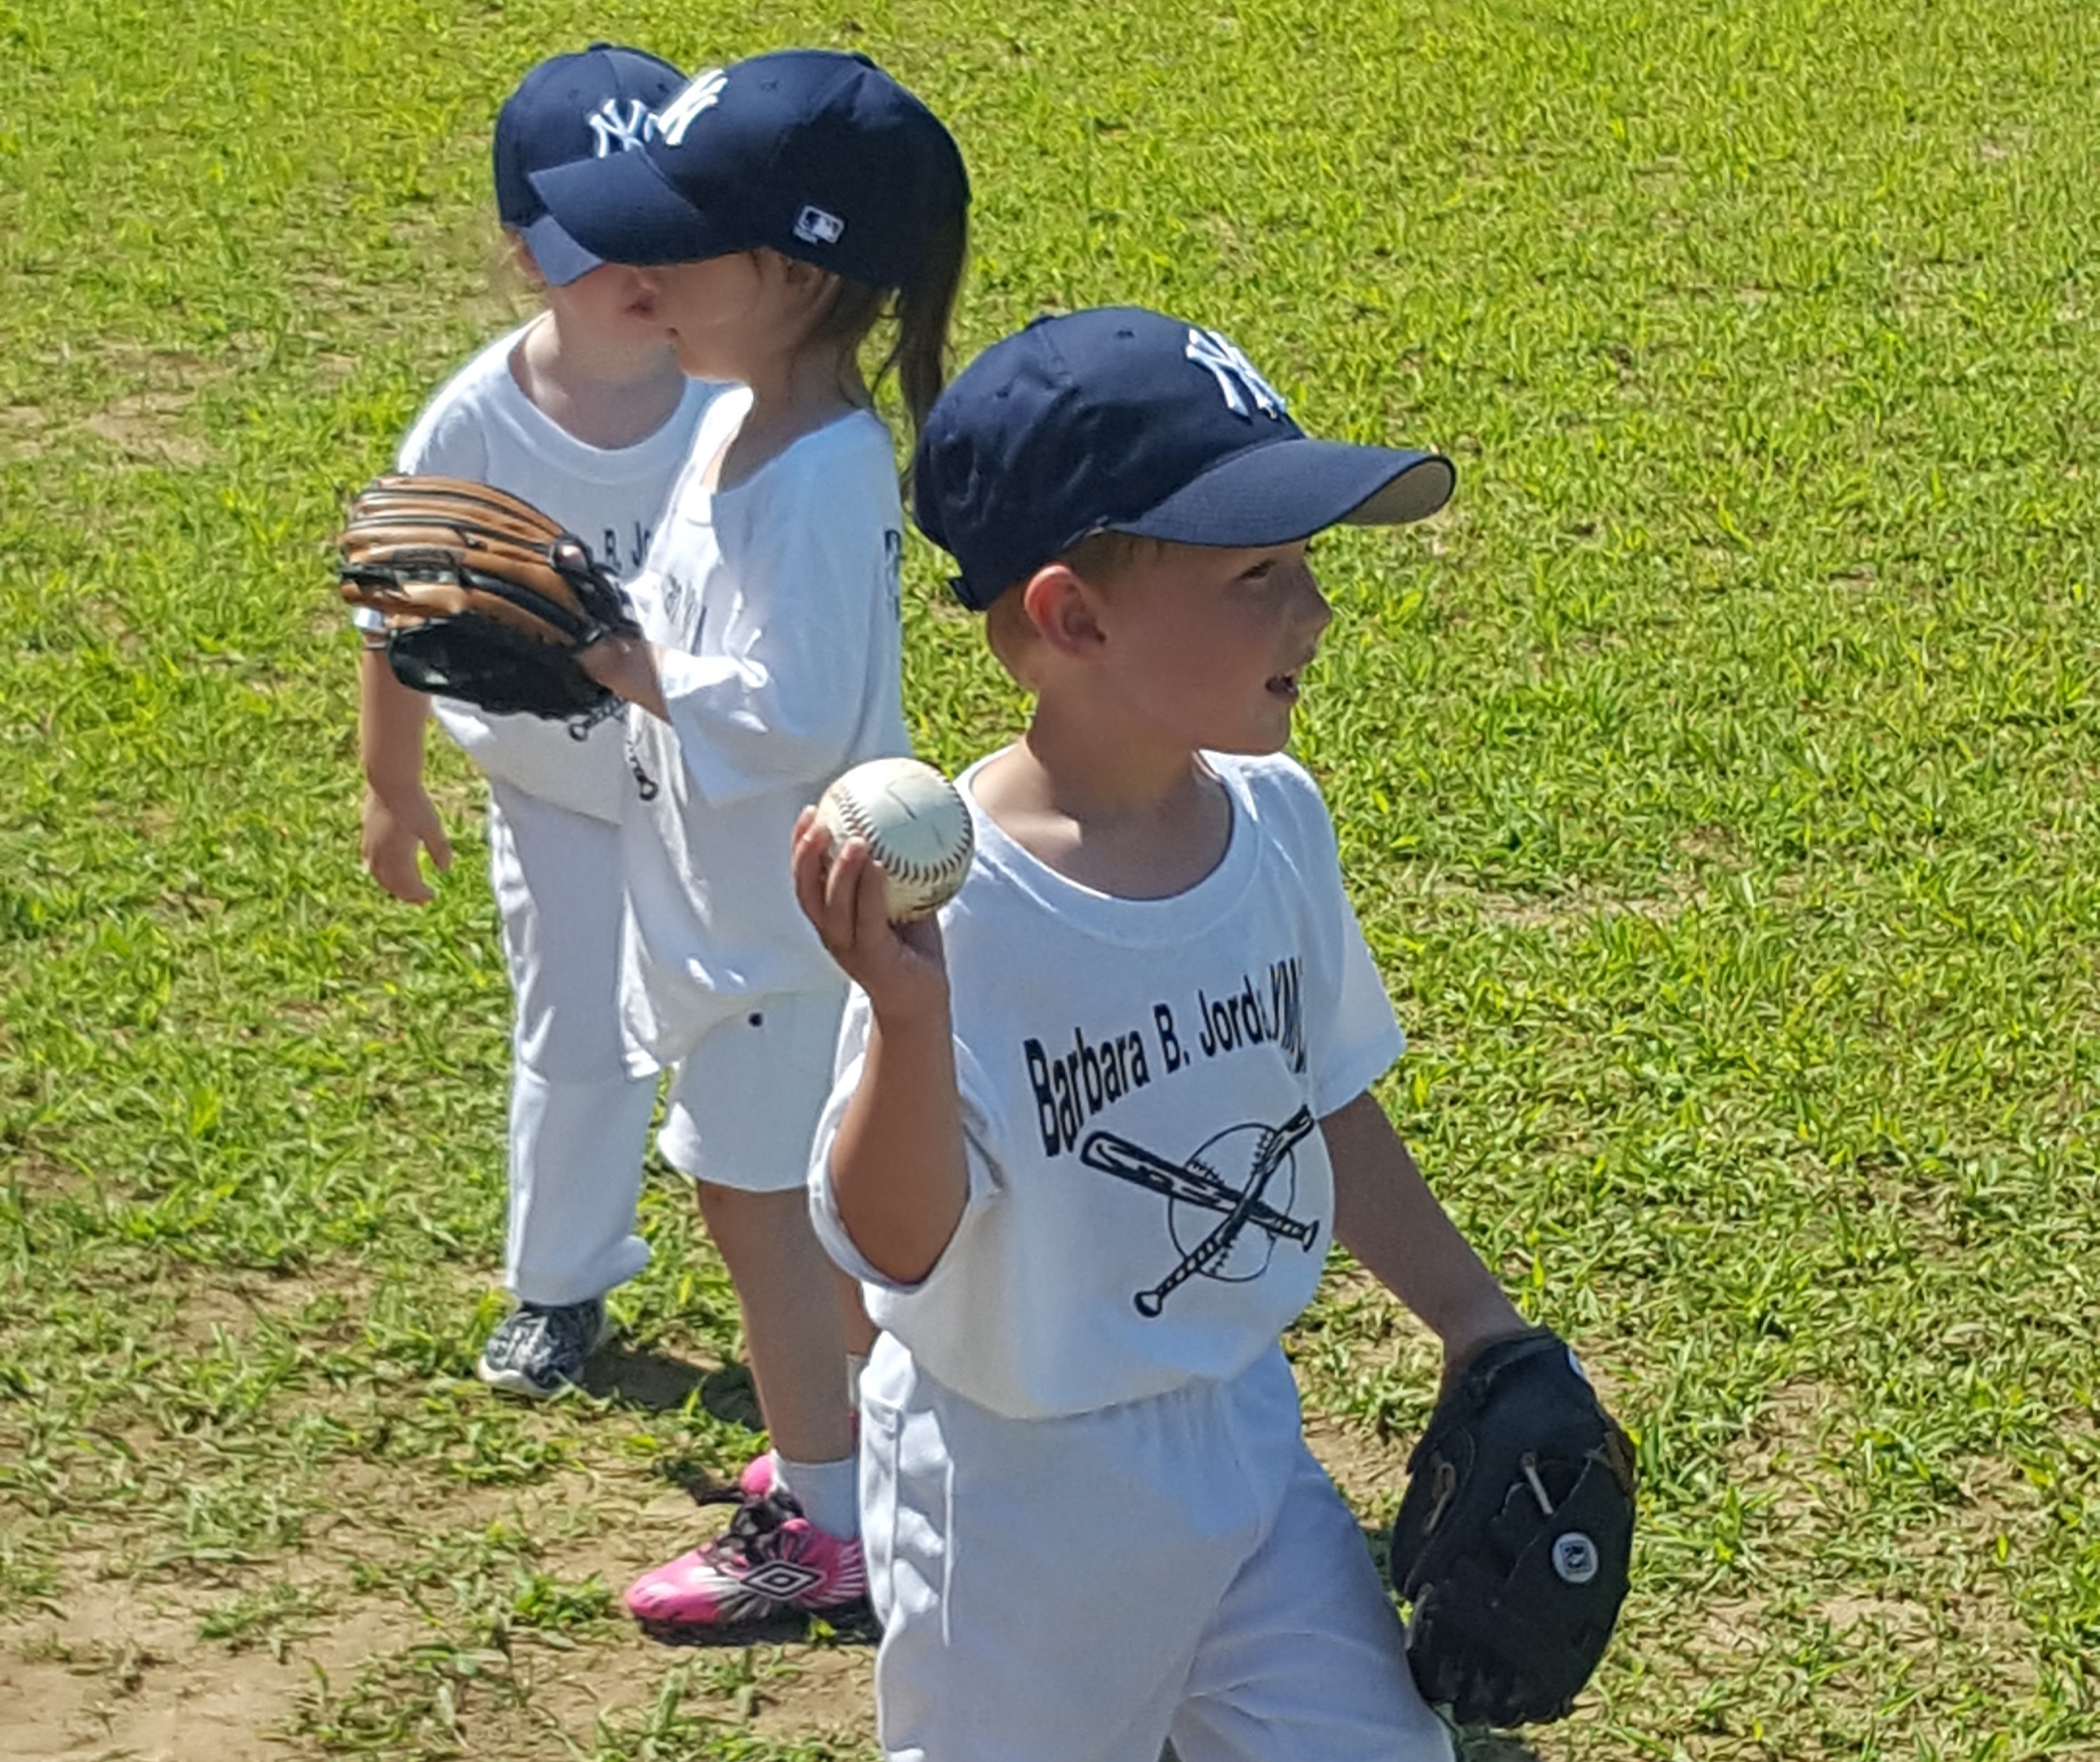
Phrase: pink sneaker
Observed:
(770, 1561)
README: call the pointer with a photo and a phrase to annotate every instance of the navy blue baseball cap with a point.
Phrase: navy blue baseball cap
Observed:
(599, 103)
(816, 154)
(1120, 419)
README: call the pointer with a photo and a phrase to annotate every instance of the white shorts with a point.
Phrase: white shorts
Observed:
(1082, 1590)
(743, 1106)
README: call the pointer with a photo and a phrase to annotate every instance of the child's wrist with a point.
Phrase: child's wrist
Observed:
(393, 785)
(614, 661)
(917, 1013)
(1467, 1334)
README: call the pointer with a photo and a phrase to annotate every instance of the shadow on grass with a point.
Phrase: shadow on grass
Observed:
(1492, 1747)
(1466, 1746)
(653, 1381)
(659, 1383)
(731, 1397)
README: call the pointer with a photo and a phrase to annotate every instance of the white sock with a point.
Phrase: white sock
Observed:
(828, 1493)
(856, 1363)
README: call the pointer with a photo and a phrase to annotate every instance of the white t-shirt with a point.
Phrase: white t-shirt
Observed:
(779, 602)
(1142, 1081)
(480, 425)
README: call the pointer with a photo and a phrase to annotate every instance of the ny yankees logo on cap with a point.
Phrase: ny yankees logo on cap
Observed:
(701, 96)
(597, 105)
(624, 128)
(1238, 378)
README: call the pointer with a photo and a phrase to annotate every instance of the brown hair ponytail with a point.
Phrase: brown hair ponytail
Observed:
(922, 309)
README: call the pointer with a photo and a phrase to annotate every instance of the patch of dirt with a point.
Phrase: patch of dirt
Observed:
(1579, 906)
(1892, 1620)
(798, 1691)
(130, 1677)
(38, 1176)
(1371, 1472)
(23, 427)
(237, 1299)
(1779, 1449)
(1715, 843)
(147, 426)
(146, 421)
(180, 369)
(125, 1669)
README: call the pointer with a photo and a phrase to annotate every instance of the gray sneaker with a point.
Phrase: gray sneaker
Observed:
(540, 1349)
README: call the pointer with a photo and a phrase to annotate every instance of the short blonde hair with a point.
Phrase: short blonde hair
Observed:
(1105, 558)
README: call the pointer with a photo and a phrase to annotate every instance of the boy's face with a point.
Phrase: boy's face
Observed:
(1208, 645)
(608, 303)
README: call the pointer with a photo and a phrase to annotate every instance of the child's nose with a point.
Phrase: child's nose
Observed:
(1314, 611)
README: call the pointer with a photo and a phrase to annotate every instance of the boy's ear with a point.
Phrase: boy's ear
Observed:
(1060, 605)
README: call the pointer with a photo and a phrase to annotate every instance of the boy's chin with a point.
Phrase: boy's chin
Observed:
(1252, 746)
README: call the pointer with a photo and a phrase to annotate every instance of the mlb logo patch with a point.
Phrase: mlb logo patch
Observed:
(818, 226)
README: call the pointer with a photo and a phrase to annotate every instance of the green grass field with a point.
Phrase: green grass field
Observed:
(1716, 782)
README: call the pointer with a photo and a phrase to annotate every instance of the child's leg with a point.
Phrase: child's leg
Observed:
(1043, 1585)
(740, 1120)
(853, 1317)
(1304, 1661)
(578, 1122)
(793, 1329)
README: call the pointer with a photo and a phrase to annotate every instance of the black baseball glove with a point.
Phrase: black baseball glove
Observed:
(1514, 1538)
(484, 597)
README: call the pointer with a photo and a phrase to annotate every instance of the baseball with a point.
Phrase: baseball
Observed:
(915, 826)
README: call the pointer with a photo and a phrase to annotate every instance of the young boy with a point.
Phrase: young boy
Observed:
(1092, 1133)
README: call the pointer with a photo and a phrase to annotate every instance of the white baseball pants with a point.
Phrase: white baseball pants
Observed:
(579, 1123)
(1082, 1590)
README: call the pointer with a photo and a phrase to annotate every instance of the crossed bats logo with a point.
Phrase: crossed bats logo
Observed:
(1261, 1157)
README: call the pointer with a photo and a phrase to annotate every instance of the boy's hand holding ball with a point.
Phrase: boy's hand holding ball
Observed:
(887, 845)
(916, 828)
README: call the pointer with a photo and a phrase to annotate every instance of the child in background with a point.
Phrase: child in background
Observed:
(583, 412)
(1095, 1129)
(777, 209)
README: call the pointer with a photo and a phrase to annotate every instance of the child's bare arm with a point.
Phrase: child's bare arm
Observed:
(897, 1172)
(1387, 1217)
(399, 817)
(627, 667)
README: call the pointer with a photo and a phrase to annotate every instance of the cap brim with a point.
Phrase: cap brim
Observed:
(620, 209)
(1292, 489)
(559, 258)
